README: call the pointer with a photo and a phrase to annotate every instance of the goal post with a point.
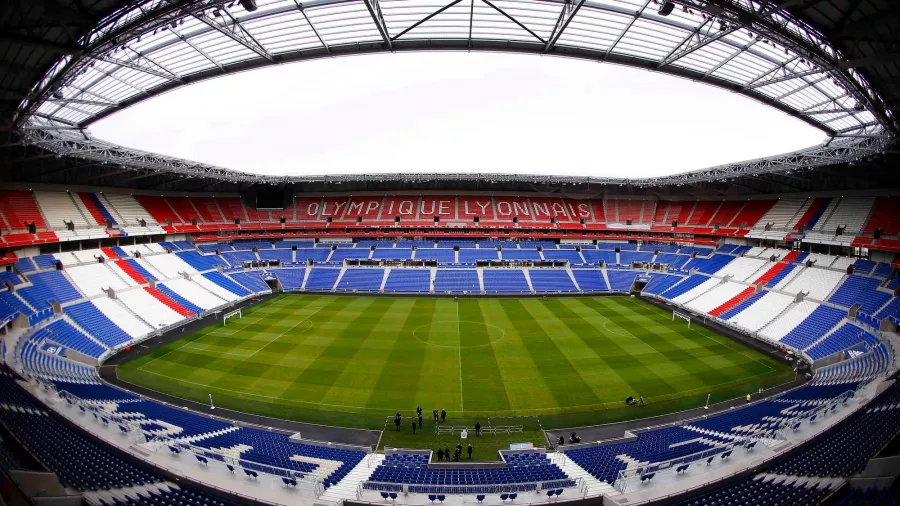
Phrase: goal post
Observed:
(687, 318)
(226, 316)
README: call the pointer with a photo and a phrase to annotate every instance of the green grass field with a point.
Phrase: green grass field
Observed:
(352, 361)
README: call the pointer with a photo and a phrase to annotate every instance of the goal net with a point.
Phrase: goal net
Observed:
(226, 316)
(687, 318)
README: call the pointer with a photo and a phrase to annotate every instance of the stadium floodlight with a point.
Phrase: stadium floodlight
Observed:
(666, 8)
(249, 5)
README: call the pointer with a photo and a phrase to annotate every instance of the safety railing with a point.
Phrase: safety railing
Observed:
(472, 489)
(648, 471)
(132, 429)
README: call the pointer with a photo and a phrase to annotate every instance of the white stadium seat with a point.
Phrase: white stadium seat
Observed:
(742, 268)
(92, 279)
(716, 297)
(695, 292)
(214, 288)
(786, 323)
(59, 208)
(129, 210)
(148, 308)
(170, 265)
(818, 282)
(761, 312)
(195, 293)
(67, 259)
(123, 318)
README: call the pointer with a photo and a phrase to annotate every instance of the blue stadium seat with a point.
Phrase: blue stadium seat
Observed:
(520, 254)
(227, 283)
(456, 280)
(659, 283)
(572, 256)
(408, 280)
(441, 256)
(862, 291)
(392, 254)
(590, 280)
(91, 319)
(46, 287)
(284, 256)
(168, 292)
(685, 286)
(547, 280)
(820, 321)
(292, 279)
(521, 474)
(620, 280)
(505, 281)
(470, 256)
(322, 278)
(201, 262)
(252, 281)
(364, 280)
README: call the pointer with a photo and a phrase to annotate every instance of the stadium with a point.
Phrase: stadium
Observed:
(178, 332)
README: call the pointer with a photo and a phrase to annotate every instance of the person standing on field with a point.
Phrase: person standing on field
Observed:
(443, 415)
(435, 413)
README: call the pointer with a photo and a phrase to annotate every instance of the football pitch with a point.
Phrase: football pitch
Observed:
(354, 360)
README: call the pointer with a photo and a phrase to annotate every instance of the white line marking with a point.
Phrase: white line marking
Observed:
(141, 368)
(710, 335)
(726, 344)
(214, 352)
(283, 333)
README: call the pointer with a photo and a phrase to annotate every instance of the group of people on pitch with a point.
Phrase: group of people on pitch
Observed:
(457, 453)
(418, 424)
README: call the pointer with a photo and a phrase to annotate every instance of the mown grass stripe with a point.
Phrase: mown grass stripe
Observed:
(401, 374)
(564, 382)
(337, 341)
(483, 385)
(637, 370)
(681, 366)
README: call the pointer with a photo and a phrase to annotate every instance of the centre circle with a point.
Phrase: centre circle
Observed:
(459, 334)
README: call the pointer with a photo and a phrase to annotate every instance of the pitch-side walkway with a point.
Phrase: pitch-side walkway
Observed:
(617, 430)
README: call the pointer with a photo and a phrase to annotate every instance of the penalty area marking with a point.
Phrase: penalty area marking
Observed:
(245, 357)
(213, 352)
(743, 352)
(288, 330)
(622, 332)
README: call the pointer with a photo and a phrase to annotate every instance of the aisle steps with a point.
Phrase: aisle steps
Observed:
(574, 471)
(346, 488)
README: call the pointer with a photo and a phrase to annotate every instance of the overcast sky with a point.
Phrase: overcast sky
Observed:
(456, 112)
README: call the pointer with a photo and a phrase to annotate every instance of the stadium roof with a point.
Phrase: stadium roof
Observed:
(828, 62)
